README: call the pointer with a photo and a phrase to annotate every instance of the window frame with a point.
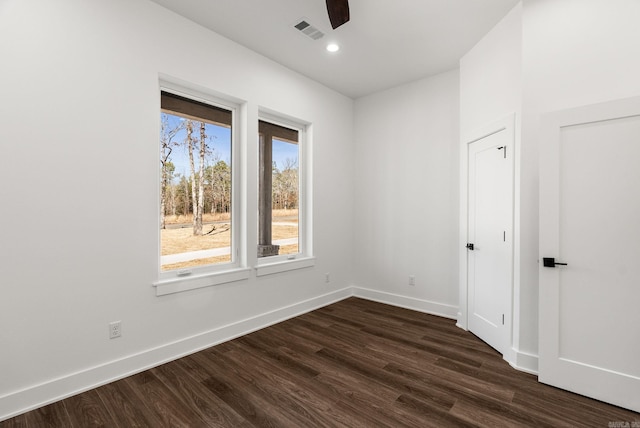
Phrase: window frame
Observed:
(177, 280)
(304, 257)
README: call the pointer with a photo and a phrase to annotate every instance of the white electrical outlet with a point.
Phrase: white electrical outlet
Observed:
(327, 277)
(115, 329)
(412, 280)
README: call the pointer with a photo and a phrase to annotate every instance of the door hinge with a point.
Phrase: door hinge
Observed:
(502, 319)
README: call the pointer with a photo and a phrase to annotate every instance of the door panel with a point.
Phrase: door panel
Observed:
(590, 219)
(489, 229)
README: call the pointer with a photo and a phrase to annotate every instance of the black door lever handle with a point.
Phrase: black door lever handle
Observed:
(551, 262)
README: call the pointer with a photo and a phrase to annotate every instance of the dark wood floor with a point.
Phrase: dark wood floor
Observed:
(354, 364)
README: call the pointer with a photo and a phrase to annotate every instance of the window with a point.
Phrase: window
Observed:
(203, 192)
(196, 184)
(282, 198)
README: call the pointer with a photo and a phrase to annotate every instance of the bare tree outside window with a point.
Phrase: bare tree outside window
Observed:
(195, 197)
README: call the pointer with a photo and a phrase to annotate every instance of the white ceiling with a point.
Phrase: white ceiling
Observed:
(386, 43)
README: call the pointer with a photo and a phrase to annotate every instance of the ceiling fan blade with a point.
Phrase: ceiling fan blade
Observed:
(338, 12)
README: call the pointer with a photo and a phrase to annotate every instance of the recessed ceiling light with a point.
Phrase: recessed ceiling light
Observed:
(332, 47)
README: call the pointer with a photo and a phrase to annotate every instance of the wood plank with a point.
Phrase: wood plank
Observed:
(197, 398)
(293, 365)
(354, 363)
(572, 408)
(149, 389)
(88, 410)
(436, 349)
(453, 383)
(19, 421)
(332, 341)
(430, 415)
(53, 415)
(251, 402)
(125, 408)
(476, 414)
(304, 398)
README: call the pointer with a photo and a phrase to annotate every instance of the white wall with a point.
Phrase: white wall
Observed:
(491, 75)
(79, 190)
(575, 52)
(79, 115)
(490, 90)
(406, 193)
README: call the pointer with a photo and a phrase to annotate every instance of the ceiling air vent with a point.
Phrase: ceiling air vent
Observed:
(309, 30)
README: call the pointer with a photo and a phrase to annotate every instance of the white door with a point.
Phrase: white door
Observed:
(489, 231)
(590, 219)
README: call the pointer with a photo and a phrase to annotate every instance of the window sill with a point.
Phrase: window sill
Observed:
(177, 285)
(284, 266)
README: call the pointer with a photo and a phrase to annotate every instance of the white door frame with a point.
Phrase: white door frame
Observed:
(506, 124)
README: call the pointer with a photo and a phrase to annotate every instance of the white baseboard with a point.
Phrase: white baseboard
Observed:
(54, 390)
(525, 362)
(460, 322)
(426, 306)
(519, 360)
(30, 398)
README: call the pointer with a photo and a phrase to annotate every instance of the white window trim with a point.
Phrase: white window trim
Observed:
(284, 265)
(304, 258)
(204, 276)
(178, 284)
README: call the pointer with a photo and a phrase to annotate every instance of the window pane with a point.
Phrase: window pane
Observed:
(195, 200)
(284, 218)
(278, 193)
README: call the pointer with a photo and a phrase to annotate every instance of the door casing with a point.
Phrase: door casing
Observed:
(506, 125)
